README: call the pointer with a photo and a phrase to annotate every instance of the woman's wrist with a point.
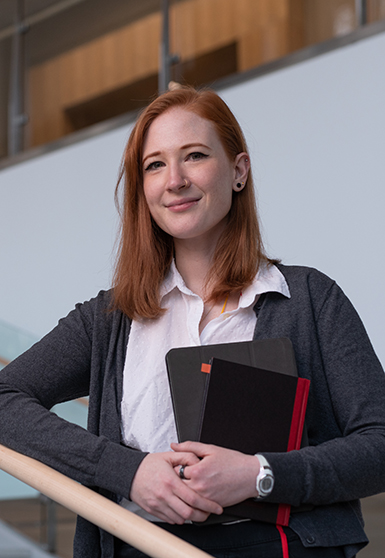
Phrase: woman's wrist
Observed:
(264, 479)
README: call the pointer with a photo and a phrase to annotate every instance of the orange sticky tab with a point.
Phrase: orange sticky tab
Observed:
(206, 368)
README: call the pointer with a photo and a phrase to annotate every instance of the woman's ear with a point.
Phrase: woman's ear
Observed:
(241, 170)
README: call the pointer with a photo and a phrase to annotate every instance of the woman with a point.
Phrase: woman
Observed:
(191, 270)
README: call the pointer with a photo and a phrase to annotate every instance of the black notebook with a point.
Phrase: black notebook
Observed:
(253, 410)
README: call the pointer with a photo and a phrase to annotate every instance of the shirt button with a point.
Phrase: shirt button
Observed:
(310, 540)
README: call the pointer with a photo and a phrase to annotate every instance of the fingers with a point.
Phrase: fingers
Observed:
(197, 501)
(176, 503)
(161, 492)
(197, 448)
(175, 506)
(223, 475)
(180, 470)
(183, 458)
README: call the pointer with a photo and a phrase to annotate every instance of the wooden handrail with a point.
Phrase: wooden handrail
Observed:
(125, 525)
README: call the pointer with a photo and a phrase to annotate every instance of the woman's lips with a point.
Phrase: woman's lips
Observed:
(181, 205)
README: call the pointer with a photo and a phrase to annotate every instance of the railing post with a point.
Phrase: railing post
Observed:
(164, 69)
(16, 117)
(361, 12)
(166, 59)
(49, 544)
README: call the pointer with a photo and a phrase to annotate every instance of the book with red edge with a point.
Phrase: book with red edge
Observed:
(253, 410)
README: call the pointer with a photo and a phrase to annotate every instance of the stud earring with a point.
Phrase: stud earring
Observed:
(240, 184)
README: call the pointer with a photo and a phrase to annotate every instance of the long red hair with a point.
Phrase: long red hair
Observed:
(145, 250)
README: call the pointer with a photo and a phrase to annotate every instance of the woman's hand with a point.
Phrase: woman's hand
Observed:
(225, 476)
(160, 491)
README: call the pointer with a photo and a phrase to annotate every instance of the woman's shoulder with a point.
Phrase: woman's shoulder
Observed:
(104, 299)
(97, 311)
(297, 275)
(101, 303)
(311, 288)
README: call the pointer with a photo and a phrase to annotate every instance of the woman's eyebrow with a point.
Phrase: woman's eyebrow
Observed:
(188, 145)
(154, 154)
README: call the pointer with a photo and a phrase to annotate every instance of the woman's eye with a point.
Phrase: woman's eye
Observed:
(197, 155)
(154, 166)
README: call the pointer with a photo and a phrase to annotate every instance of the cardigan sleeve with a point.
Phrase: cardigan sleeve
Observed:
(54, 370)
(346, 416)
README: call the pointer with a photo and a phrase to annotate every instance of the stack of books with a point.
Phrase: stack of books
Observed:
(243, 396)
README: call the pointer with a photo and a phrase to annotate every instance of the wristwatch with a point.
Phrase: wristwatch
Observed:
(265, 478)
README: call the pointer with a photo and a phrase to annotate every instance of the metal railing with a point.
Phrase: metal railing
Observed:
(123, 524)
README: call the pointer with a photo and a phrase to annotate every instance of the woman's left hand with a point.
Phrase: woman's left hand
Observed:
(225, 476)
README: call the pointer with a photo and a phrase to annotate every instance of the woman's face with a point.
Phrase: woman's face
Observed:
(188, 178)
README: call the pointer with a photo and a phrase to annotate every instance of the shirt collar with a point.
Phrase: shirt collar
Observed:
(268, 279)
(173, 280)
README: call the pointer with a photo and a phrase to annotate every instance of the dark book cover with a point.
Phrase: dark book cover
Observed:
(253, 410)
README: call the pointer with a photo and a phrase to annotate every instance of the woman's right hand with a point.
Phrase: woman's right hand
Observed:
(158, 489)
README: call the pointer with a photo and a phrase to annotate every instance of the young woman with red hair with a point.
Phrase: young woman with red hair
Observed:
(191, 270)
(240, 250)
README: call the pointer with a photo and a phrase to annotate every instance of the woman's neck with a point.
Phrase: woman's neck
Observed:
(194, 264)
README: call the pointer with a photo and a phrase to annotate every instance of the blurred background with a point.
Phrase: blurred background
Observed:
(305, 78)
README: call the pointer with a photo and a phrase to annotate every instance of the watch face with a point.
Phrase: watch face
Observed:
(266, 484)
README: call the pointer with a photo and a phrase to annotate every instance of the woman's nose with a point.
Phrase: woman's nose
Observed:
(177, 181)
(184, 184)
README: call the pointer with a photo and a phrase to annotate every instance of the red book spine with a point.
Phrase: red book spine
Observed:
(283, 515)
(299, 411)
(295, 436)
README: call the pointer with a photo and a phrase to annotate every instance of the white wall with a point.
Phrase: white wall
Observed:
(57, 228)
(316, 133)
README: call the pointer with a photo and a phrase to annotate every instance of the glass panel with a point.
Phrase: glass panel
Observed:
(325, 19)
(215, 38)
(90, 60)
(375, 10)
(90, 63)
(85, 61)
(13, 342)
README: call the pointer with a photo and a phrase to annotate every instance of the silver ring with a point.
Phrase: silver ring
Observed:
(181, 472)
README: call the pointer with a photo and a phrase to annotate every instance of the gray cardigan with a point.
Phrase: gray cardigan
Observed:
(345, 419)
